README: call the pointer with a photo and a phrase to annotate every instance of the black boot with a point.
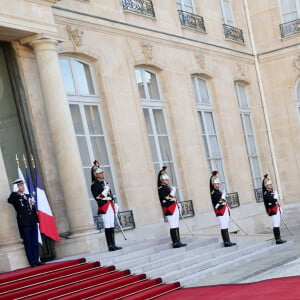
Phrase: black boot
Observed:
(112, 230)
(225, 237)
(178, 238)
(278, 239)
(109, 239)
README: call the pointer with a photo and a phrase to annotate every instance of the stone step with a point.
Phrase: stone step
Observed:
(218, 270)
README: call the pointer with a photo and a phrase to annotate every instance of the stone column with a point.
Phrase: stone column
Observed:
(12, 253)
(63, 136)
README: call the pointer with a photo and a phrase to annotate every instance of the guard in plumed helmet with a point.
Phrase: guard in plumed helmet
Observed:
(221, 209)
(107, 207)
(272, 206)
(169, 205)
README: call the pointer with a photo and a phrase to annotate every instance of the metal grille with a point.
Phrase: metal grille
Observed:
(126, 220)
(232, 200)
(187, 209)
(290, 28)
(191, 20)
(143, 7)
(233, 33)
(258, 195)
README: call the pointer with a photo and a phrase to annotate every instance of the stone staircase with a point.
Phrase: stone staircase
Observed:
(203, 261)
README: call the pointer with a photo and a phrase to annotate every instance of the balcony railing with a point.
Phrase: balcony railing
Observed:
(258, 195)
(187, 209)
(126, 220)
(143, 7)
(190, 20)
(233, 33)
(290, 28)
(233, 200)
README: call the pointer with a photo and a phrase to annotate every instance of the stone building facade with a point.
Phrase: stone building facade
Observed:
(138, 84)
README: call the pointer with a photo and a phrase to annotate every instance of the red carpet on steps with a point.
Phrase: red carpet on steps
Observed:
(77, 279)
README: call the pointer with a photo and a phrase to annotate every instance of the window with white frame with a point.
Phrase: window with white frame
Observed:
(249, 135)
(298, 98)
(87, 120)
(185, 5)
(208, 127)
(290, 10)
(153, 109)
(226, 10)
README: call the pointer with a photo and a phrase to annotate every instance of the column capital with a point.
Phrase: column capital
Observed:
(40, 39)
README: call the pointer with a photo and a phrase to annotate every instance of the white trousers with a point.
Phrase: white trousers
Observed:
(276, 219)
(109, 218)
(224, 220)
(174, 219)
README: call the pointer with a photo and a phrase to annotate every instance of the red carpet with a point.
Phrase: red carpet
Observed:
(287, 288)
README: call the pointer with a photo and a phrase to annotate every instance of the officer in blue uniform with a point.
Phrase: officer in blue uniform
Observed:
(27, 219)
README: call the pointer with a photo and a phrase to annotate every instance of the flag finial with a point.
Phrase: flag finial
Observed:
(17, 161)
(32, 161)
(25, 162)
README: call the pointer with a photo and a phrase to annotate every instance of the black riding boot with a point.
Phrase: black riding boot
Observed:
(112, 230)
(173, 236)
(225, 237)
(278, 239)
(178, 238)
(109, 239)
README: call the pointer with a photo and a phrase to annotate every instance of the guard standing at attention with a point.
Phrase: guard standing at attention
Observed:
(272, 206)
(169, 205)
(107, 207)
(27, 219)
(221, 209)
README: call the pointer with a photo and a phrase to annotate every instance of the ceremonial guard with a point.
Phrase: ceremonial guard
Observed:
(272, 206)
(106, 204)
(169, 205)
(220, 206)
(27, 219)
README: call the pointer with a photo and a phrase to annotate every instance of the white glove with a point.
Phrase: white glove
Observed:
(116, 207)
(173, 191)
(224, 195)
(180, 208)
(275, 195)
(105, 191)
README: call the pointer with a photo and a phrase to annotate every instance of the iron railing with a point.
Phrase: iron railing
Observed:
(126, 220)
(143, 7)
(191, 20)
(259, 195)
(233, 200)
(290, 28)
(233, 33)
(187, 209)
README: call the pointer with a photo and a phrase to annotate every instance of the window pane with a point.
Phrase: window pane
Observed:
(140, 84)
(76, 117)
(99, 148)
(204, 96)
(251, 145)
(289, 10)
(214, 146)
(93, 119)
(165, 148)
(179, 5)
(228, 13)
(152, 85)
(202, 123)
(148, 121)
(255, 167)
(242, 97)
(159, 121)
(84, 78)
(247, 124)
(153, 148)
(209, 122)
(84, 152)
(67, 75)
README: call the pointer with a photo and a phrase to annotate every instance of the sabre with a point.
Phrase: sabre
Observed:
(287, 227)
(185, 223)
(120, 226)
(238, 225)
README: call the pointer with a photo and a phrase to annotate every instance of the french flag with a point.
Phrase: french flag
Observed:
(46, 219)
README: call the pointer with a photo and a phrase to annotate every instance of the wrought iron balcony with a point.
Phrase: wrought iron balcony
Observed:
(143, 7)
(233, 200)
(190, 20)
(258, 195)
(126, 220)
(290, 28)
(233, 33)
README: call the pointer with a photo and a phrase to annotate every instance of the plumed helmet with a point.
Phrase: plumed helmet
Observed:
(162, 174)
(95, 169)
(214, 178)
(266, 181)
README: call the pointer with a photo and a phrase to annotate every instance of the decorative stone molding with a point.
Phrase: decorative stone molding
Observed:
(297, 62)
(147, 50)
(200, 59)
(240, 70)
(75, 35)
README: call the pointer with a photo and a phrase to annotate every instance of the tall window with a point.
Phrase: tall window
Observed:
(227, 12)
(298, 98)
(86, 115)
(246, 118)
(153, 109)
(290, 10)
(209, 131)
(185, 5)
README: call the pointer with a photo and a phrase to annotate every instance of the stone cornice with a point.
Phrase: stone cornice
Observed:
(47, 2)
